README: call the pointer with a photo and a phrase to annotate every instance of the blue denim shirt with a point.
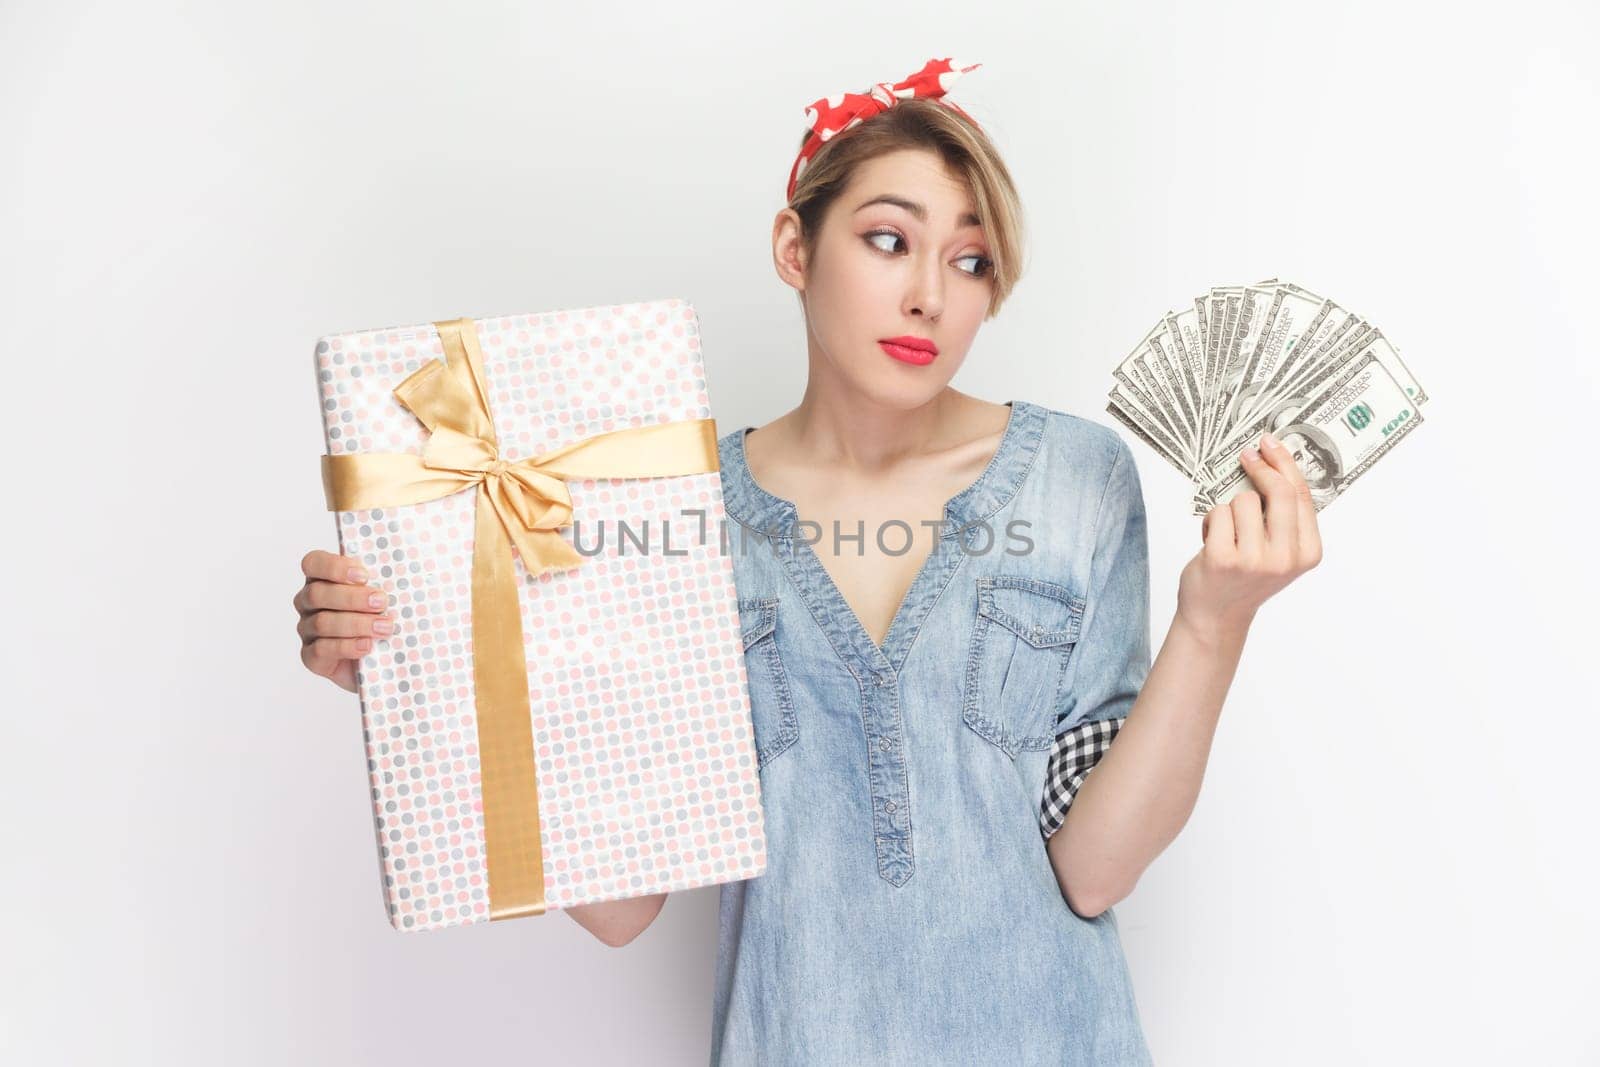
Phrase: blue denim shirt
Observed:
(909, 913)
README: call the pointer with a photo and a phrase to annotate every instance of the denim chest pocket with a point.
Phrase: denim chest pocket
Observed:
(771, 706)
(1022, 637)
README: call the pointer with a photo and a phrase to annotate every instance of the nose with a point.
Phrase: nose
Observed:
(925, 292)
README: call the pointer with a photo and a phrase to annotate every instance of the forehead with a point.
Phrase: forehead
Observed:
(918, 176)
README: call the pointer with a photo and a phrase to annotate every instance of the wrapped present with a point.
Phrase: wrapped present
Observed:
(562, 715)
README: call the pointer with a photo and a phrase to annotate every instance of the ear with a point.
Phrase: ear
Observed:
(788, 255)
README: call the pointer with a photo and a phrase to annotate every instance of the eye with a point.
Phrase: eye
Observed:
(883, 233)
(981, 270)
(985, 265)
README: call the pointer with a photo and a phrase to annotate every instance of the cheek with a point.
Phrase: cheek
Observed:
(974, 306)
(863, 271)
(854, 292)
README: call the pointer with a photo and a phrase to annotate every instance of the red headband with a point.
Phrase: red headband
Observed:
(832, 115)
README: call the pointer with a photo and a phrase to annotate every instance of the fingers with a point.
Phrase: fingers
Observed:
(327, 595)
(343, 624)
(341, 616)
(332, 567)
(1307, 541)
(1266, 471)
(1248, 531)
(1292, 490)
(324, 655)
(1220, 545)
(1274, 452)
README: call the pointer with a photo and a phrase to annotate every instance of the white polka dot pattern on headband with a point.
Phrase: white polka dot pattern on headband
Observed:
(641, 723)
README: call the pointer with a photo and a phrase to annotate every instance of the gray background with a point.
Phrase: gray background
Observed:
(1392, 857)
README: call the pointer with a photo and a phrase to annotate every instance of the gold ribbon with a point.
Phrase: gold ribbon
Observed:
(522, 503)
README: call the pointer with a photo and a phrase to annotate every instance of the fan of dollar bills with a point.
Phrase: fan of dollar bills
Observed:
(1208, 380)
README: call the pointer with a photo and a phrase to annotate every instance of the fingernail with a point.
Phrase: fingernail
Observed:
(382, 626)
(1249, 454)
(1268, 441)
(357, 574)
(376, 600)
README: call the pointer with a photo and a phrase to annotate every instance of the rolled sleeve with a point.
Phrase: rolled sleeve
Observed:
(1111, 658)
(1075, 754)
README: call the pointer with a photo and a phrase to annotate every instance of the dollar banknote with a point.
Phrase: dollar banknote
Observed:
(1211, 377)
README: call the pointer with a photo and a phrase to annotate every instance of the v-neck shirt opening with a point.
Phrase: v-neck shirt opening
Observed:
(753, 506)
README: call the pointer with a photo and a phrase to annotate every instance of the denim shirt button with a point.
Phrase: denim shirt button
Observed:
(885, 743)
(888, 805)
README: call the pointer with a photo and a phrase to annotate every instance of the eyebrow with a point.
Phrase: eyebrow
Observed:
(917, 211)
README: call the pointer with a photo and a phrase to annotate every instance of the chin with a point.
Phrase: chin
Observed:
(905, 395)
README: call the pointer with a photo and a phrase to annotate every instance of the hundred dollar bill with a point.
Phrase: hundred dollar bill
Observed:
(1360, 336)
(1338, 435)
(1144, 428)
(1142, 386)
(1206, 380)
(1255, 305)
(1160, 356)
(1333, 333)
(1286, 320)
(1187, 334)
(1186, 361)
(1248, 432)
(1227, 302)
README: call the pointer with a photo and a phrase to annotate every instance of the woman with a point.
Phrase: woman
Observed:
(946, 624)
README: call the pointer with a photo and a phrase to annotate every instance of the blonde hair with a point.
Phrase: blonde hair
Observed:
(921, 123)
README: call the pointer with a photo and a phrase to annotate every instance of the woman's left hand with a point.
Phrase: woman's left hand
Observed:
(1255, 544)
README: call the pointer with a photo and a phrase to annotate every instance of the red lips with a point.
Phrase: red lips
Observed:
(908, 341)
(917, 351)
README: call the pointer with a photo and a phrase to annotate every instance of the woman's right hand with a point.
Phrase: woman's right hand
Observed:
(340, 616)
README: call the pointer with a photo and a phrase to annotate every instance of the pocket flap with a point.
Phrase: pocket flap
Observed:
(1042, 613)
(758, 616)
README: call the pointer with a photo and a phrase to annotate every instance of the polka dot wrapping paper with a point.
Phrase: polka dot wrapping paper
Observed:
(643, 749)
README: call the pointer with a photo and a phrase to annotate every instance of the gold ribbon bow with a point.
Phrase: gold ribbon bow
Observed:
(523, 503)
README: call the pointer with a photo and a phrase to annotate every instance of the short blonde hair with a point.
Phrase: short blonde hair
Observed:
(921, 123)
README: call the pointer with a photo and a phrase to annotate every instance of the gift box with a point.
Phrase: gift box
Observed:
(562, 716)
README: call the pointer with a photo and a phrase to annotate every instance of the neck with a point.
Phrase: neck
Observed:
(839, 425)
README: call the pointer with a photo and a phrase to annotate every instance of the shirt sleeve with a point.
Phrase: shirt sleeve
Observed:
(1111, 658)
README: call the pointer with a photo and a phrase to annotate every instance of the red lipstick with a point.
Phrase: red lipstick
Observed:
(908, 349)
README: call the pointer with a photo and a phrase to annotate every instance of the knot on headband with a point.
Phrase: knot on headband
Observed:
(832, 115)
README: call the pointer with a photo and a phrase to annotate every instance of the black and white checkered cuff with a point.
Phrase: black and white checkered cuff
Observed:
(1075, 754)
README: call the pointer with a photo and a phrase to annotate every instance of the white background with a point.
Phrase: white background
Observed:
(1393, 857)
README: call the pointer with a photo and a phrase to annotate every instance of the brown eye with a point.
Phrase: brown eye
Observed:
(882, 233)
(985, 265)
